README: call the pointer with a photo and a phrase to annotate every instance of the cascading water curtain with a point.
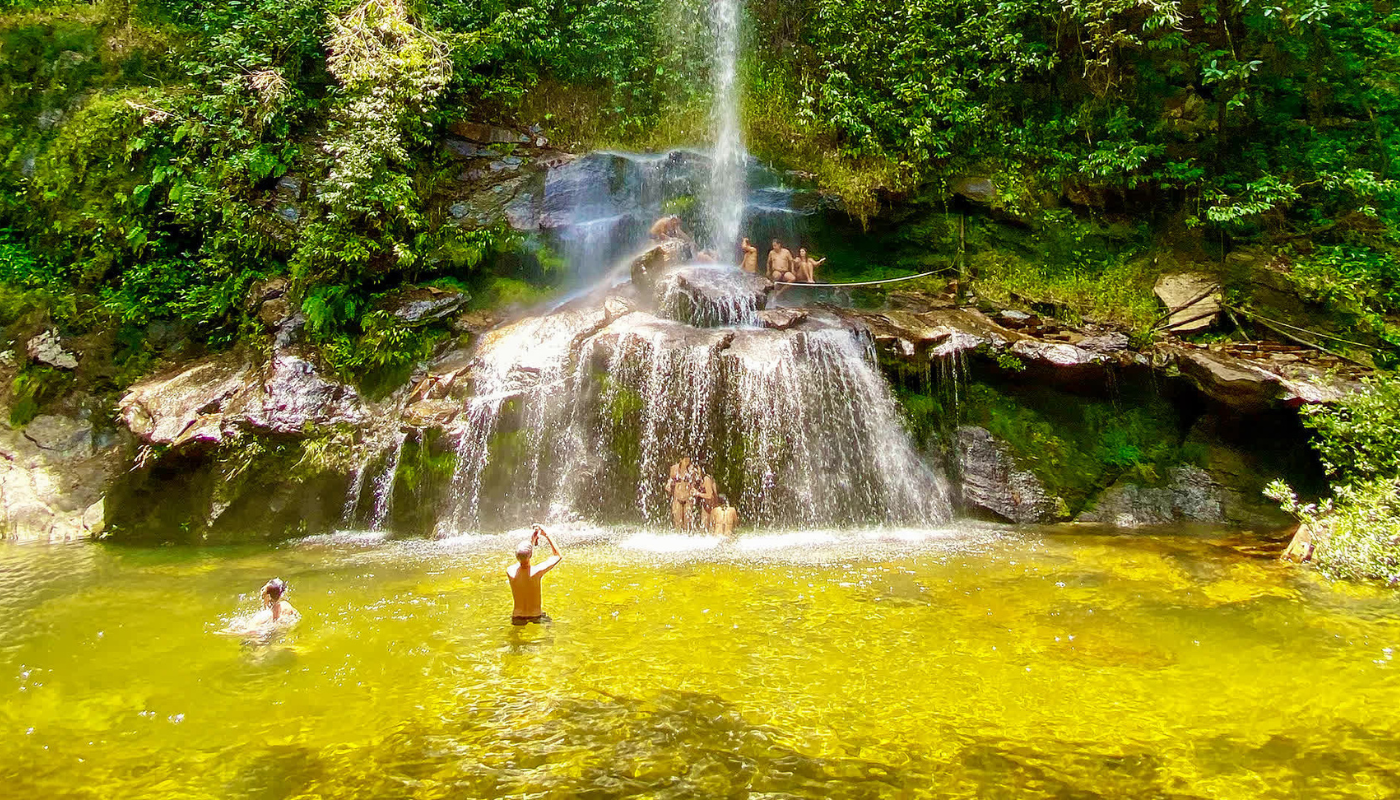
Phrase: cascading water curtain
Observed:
(725, 204)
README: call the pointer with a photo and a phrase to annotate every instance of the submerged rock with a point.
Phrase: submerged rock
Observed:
(1190, 494)
(991, 481)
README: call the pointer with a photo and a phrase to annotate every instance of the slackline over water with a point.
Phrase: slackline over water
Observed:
(863, 283)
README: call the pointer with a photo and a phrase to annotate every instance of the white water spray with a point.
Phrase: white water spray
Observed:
(725, 203)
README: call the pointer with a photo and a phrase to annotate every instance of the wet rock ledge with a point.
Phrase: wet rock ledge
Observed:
(267, 443)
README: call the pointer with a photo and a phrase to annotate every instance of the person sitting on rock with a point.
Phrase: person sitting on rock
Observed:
(669, 227)
(806, 266)
(706, 257)
(780, 266)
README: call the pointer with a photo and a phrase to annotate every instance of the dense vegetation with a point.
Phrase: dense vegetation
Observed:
(1357, 531)
(143, 142)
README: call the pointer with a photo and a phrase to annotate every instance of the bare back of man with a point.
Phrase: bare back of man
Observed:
(525, 578)
(726, 519)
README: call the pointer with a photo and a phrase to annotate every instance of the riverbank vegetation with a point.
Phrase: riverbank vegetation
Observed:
(1356, 532)
(164, 157)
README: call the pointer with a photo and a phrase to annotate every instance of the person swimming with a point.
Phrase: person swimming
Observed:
(276, 609)
(525, 579)
(276, 612)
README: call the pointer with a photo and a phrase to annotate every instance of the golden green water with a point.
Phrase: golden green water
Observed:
(972, 664)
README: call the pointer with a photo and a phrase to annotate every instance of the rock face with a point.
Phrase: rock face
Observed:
(424, 304)
(708, 295)
(52, 478)
(47, 349)
(237, 447)
(1194, 301)
(1190, 494)
(991, 482)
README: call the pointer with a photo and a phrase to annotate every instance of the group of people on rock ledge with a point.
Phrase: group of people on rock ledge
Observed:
(782, 265)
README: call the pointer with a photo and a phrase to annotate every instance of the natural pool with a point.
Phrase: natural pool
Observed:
(975, 663)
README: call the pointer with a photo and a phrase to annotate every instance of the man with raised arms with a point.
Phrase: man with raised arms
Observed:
(681, 489)
(525, 579)
(750, 256)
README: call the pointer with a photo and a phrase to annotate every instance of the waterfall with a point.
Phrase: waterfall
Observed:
(799, 426)
(726, 196)
(581, 411)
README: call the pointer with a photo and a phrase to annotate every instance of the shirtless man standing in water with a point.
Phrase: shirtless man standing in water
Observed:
(780, 263)
(525, 579)
(750, 256)
(681, 488)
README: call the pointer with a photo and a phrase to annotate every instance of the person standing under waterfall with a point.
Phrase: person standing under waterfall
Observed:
(750, 256)
(780, 267)
(681, 488)
(708, 497)
(525, 579)
(724, 517)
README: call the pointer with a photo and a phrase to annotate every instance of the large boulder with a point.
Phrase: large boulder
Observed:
(189, 403)
(1256, 384)
(651, 265)
(1192, 299)
(422, 304)
(47, 348)
(1189, 494)
(53, 474)
(991, 481)
(710, 295)
(224, 395)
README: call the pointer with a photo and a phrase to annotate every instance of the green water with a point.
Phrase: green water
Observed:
(973, 664)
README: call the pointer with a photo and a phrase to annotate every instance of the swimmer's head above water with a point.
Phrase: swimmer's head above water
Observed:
(524, 551)
(274, 590)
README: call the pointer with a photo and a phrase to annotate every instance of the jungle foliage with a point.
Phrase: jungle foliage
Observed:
(162, 156)
(1357, 530)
